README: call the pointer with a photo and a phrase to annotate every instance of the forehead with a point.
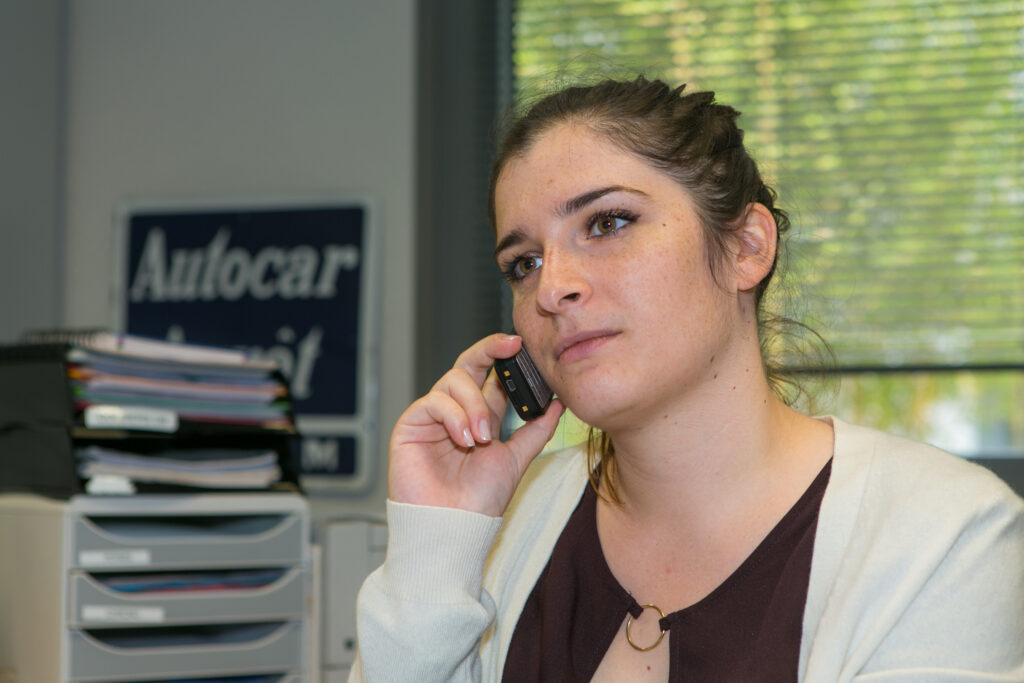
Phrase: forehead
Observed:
(566, 161)
(565, 146)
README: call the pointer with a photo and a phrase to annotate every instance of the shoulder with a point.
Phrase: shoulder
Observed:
(895, 472)
(916, 549)
(547, 496)
(886, 488)
(898, 513)
(893, 503)
(547, 493)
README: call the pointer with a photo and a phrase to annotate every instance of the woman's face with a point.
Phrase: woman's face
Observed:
(613, 295)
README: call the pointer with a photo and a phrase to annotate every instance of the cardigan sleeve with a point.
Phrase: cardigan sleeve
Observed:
(421, 615)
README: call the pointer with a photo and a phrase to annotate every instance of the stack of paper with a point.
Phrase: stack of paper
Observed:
(154, 412)
(220, 468)
(170, 390)
(137, 346)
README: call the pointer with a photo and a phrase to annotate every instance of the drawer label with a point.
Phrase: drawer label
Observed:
(114, 558)
(121, 614)
(131, 417)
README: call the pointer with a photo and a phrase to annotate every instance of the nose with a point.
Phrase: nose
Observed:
(563, 282)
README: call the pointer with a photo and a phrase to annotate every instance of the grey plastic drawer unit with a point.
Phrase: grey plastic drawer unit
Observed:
(163, 653)
(155, 587)
(92, 604)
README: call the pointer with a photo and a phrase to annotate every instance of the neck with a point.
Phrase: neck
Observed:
(722, 443)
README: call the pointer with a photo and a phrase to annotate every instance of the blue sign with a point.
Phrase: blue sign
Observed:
(283, 282)
(325, 455)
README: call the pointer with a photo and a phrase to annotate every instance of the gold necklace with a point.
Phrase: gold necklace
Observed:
(629, 622)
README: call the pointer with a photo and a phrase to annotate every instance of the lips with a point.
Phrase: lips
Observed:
(581, 344)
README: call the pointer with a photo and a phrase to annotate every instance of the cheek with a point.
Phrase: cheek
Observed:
(673, 289)
(667, 269)
(518, 308)
(523, 322)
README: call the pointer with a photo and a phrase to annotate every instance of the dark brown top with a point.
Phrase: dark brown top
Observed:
(747, 629)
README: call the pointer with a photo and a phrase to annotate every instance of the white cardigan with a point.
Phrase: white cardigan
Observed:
(917, 573)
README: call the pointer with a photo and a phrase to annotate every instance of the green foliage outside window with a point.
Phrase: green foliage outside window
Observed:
(894, 132)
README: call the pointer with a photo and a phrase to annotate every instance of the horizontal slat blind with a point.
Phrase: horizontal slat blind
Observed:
(893, 129)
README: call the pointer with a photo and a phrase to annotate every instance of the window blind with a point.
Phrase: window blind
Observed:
(893, 130)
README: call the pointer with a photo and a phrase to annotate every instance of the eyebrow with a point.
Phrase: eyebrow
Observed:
(568, 208)
(581, 201)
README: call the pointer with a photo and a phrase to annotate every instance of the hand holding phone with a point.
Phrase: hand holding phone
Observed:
(527, 391)
(445, 449)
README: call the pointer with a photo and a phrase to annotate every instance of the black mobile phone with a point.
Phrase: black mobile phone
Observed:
(527, 391)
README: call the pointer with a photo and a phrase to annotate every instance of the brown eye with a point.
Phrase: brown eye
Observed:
(525, 266)
(605, 225)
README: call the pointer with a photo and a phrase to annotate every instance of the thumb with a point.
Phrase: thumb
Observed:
(527, 442)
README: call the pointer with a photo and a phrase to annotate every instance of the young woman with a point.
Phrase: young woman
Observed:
(709, 532)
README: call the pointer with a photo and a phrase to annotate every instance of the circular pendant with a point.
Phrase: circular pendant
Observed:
(629, 622)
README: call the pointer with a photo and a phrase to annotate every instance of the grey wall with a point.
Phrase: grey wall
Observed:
(31, 150)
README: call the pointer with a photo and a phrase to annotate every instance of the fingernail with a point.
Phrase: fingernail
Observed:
(485, 429)
(468, 437)
(510, 337)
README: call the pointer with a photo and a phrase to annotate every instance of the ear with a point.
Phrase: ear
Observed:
(757, 238)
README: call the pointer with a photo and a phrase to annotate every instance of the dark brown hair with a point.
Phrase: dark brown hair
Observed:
(690, 138)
